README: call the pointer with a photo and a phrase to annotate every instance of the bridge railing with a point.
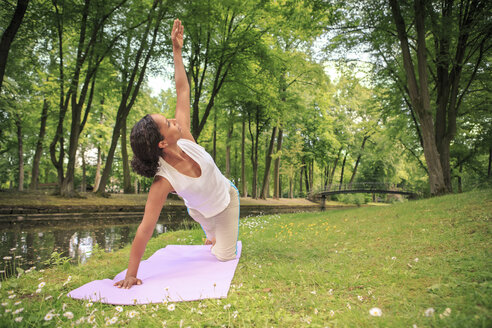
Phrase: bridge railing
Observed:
(360, 186)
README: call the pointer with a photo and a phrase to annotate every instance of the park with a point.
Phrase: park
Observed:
(357, 137)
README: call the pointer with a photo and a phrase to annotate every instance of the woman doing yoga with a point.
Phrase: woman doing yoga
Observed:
(165, 149)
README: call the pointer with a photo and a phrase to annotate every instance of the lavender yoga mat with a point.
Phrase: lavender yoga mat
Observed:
(175, 273)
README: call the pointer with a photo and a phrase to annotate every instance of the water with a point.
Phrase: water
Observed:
(28, 244)
(27, 241)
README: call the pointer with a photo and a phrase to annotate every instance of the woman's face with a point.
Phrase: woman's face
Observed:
(169, 128)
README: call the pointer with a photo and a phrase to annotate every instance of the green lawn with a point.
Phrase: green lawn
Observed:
(311, 269)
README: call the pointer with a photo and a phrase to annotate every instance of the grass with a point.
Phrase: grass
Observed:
(310, 269)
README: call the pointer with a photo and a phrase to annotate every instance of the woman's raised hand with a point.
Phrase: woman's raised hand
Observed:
(177, 35)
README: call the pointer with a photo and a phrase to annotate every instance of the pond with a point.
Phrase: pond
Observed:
(28, 244)
(28, 241)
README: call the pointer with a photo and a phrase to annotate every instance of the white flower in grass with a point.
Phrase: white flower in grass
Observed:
(19, 310)
(429, 312)
(64, 307)
(18, 319)
(119, 309)
(112, 321)
(171, 307)
(235, 314)
(349, 307)
(80, 320)
(91, 318)
(18, 302)
(360, 298)
(42, 284)
(12, 296)
(416, 259)
(68, 315)
(68, 280)
(199, 312)
(393, 258)
(7, 258)
(414, 326)
(313, 292)
(375, 312)
(132, 314)
(42, 270)
(227, 307)
(48, 316)
(331, 313)
(48, 297)
(38, 290)
(8, 310)
(18, 256)
(5, 304)
(330, 292)
(89, 304)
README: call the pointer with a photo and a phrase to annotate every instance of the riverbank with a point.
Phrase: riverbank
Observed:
(423, 263)
(38, 206)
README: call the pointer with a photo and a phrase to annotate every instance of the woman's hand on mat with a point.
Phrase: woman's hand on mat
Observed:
(128, 282)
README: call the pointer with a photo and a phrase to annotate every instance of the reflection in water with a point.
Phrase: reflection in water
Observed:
(24, 244)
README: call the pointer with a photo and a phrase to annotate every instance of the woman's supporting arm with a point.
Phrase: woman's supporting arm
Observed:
(155, 201)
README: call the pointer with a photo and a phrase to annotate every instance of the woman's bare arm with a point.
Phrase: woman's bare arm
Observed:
(181, 80)
(155, 201)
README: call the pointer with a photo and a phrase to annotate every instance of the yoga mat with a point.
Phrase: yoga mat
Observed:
(175, 273)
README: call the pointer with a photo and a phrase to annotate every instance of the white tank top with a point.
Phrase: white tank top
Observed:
(209, 193)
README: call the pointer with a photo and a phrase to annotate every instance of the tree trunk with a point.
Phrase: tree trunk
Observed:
(39, 147)
(306, 176)
(332, 174)
(83, 183)
(419, 92)
(291, 193)
(244, 187)
(311, 175)
(20, 152)
(254, 154)
(276, 183)
(228, 152)
(343, 168)
(101, 190)
(8, 35)
(97, 178)
(357, 161)
(268, 161)
(300, 180)
(127, 180)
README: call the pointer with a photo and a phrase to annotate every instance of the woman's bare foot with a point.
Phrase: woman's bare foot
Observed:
(210, 242)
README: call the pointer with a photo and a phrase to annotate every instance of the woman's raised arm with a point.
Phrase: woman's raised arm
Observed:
(181, 80)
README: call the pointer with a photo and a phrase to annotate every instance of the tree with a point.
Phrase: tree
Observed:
(9, 33)
(441, 47)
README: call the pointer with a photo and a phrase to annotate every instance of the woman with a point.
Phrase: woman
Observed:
(165, 149)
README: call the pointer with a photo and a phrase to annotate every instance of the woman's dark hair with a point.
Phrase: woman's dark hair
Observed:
(144, 139)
